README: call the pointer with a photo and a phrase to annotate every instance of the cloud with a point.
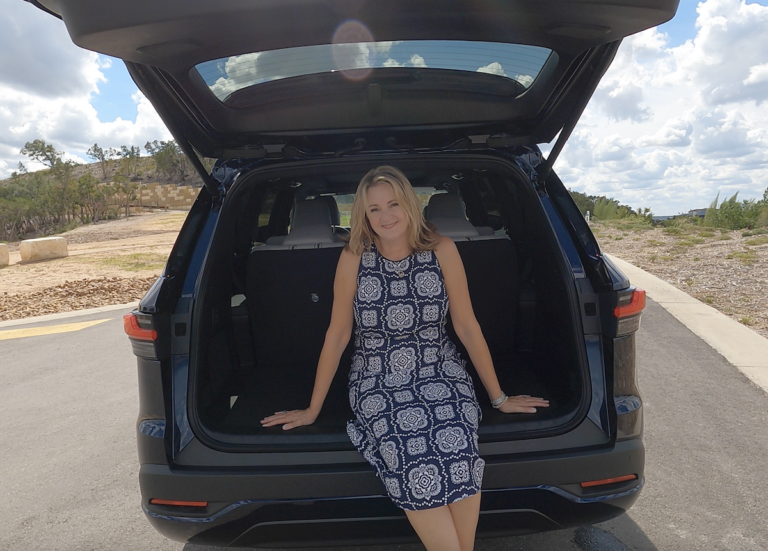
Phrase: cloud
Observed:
(494, 68)
(417, 61)
(757, 74)
(38, 57)
(46, 87)
(726, 60)
(621, 101)
(669, 127)
(676, 132)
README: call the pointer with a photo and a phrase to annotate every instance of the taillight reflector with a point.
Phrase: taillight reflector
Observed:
(635, 305)
(608, 481)
(178, 503)
(133, 330)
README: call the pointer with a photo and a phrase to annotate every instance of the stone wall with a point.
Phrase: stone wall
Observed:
(167, 196)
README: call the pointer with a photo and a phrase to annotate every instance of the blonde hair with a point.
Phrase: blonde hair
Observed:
(422, 236)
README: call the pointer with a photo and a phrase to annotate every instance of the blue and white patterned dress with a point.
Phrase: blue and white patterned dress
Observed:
(414, 403)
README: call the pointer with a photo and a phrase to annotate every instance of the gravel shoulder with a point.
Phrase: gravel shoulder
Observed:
(724, 269)
(116, 262)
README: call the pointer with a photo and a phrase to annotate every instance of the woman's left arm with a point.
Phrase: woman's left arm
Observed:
(468, 329)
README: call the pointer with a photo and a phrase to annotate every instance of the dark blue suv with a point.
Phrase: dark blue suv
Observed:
(296, 100)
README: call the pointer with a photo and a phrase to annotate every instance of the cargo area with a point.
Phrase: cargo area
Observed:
(267, 291)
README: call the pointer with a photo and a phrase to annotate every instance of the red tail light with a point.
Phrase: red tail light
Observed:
(608, 481)
(628, 314)
(635, 306)
(135, 331)
(178, 503)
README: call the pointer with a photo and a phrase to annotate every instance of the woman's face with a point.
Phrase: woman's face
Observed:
(387, 217)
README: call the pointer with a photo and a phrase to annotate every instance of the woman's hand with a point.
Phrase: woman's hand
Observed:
(523, 404)
(290, 419)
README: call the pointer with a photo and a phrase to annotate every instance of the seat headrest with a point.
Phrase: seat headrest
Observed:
(447, 213)
(311, 224)
(333, 208)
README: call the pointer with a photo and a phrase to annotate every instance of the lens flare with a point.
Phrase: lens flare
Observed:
(352, 52)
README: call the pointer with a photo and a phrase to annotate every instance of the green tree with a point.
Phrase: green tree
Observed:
(100, 156)
(169, 159)
(42, 152)
(130, 159)
(606, 209)
(584, 202)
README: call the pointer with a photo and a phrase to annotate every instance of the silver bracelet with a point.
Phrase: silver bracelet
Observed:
(500, 400)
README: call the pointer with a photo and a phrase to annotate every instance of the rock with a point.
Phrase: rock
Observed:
(43, 248)
(3, 255)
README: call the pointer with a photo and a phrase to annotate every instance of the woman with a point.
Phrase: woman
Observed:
(415, 407)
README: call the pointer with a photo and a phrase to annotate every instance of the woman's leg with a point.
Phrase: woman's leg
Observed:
(435, 529)
(465, 514)
(448, 528)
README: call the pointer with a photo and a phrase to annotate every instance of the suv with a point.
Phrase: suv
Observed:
(297, 100)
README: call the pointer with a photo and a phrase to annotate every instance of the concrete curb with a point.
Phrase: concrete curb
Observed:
(741, 346)
(65, 315)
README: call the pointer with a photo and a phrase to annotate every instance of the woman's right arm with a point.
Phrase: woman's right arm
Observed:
(336, 340)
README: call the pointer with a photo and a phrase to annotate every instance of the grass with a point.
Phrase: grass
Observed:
(724, 237)
(653, 257)
(762, 240)
(746, 320)
(673, 231)
(747, 257)
(709, 299)
(135, 262)
(696, 259)
(654, 243)
(667, 257)
(626, 225)
(706, 233)
(758, 231)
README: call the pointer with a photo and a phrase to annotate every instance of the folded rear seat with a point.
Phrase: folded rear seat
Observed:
(290, 288)
(490, 262)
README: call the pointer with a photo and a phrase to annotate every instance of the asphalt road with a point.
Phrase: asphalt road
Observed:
(68, 467)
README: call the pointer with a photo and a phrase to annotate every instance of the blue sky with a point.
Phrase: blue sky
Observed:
(679, 117)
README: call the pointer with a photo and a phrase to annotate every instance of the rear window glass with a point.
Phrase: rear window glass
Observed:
(513, 61)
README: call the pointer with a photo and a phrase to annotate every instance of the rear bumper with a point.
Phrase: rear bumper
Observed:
(279, 509)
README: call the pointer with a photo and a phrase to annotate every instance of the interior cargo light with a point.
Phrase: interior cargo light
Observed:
(154, 501)
(635, 306)
(133, 330)
(605, 481)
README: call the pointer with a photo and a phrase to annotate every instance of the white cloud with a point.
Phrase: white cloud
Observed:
(392, 63)
(417, 61)
(46, 86)
(622, 100)
(757, 74)
(669, 127)
(494, 68)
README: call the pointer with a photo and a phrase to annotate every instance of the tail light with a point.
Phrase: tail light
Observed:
(142, 334)
(626, 396)
(135, 331)
(628, 311)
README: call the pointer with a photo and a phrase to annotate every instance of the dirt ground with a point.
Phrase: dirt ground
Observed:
(724, 269)
(112, 262)
(115, 262)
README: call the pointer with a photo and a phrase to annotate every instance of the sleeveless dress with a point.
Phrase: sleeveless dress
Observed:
(414, 403)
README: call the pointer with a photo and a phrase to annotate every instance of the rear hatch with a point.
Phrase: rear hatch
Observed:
(242, 79)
